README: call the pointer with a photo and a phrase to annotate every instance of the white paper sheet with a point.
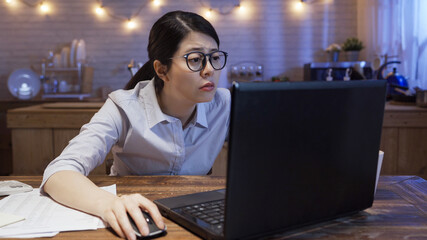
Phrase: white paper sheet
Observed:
(6, 219)
(43, 215)
(32, 235)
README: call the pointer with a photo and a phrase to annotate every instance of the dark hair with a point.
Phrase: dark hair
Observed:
(165, 37)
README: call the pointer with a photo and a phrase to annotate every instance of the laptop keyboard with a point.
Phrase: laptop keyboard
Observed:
(210, 212)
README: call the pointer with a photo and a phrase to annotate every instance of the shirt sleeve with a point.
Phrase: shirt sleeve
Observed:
(90, 147)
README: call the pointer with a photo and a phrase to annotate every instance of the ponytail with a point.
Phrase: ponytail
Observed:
(146, 72)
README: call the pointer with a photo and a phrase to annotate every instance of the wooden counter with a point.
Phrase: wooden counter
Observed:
(404, 140)
(6, 133)
(41, 132)
(53, 115)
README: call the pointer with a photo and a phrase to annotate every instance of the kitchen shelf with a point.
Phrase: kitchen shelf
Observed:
(73, 69)
(78, 79)
(79, 96)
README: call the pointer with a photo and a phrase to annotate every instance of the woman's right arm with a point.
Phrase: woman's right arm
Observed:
(65, 181)
(75, 190)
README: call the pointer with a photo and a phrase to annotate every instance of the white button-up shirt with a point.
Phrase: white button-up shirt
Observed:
(144, 140)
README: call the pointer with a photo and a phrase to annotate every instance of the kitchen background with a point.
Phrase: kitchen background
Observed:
(281, 35)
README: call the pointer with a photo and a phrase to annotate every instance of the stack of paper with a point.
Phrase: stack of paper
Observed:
(43, 216)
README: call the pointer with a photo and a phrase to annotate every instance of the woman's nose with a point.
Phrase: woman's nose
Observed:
(208, 70)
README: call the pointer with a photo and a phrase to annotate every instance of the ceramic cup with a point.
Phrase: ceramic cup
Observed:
(63, 86)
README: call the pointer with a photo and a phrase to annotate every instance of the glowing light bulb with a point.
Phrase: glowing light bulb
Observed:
(298, 6)
(209, 13)
(242, 9)
(8, 1)
(44, 8)
(131, 24)
(99, 10)
(157, 3)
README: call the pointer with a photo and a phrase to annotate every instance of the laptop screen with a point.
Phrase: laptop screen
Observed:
(300, 153)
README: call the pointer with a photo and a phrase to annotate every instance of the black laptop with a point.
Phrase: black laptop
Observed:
(299, 153)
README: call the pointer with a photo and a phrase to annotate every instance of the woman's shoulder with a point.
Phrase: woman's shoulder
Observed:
(122, 95)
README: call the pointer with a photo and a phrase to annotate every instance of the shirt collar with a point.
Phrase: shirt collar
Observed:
(155, 114)
(149, 98)
(201, 115)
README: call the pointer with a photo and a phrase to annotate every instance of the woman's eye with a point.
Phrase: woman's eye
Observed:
(194, 60)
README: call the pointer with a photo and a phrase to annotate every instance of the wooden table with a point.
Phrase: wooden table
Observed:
(399, 210)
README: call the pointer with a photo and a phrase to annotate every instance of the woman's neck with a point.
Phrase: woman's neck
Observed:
(176, 108)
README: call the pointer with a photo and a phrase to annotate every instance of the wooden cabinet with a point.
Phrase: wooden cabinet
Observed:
(41, 132)
(6, 134)
(404, 141)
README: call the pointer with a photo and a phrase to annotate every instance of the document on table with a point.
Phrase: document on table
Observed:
(45, 217)
(6, 219)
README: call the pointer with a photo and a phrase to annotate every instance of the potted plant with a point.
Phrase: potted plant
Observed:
(352, 46)
(333, 52)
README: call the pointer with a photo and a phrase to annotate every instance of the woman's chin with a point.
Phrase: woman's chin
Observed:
(207, 97)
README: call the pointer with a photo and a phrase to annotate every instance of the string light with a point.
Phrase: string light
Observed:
(223, 10)
(208, 13)
(100, 10)
(242, 9)
(44, 7)
(157, 3)
(298, 6)
(131, 24)
(11, 3)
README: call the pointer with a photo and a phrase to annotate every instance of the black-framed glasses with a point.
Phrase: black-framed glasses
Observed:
(196, 61)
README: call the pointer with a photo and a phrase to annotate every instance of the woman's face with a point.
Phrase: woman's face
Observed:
(187, 86)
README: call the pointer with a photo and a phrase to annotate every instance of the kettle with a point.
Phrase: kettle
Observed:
(394, 80)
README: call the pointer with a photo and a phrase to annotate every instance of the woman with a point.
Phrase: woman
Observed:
(174, 123)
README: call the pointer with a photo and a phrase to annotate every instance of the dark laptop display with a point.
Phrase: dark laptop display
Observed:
(299, 153)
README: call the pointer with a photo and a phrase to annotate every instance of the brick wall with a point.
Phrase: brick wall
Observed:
(271, 33)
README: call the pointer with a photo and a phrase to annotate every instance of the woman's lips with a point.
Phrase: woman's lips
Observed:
(208, 87)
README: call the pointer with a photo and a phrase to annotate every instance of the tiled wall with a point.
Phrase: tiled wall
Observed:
(270, 32)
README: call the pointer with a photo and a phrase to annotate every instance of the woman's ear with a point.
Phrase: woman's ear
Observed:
(161, 70)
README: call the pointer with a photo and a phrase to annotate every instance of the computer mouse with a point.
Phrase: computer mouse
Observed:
(154, 231)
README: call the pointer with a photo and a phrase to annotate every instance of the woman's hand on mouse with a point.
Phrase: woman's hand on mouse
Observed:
(116, 209)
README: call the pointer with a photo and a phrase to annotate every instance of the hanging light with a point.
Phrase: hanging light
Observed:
(242, 9)
(100, 10)
(298, 6)
(44, 7)
(208, 13)
(131, 24)
(157, 3)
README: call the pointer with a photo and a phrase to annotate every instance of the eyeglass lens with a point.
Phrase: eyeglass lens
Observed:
(196, 61)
